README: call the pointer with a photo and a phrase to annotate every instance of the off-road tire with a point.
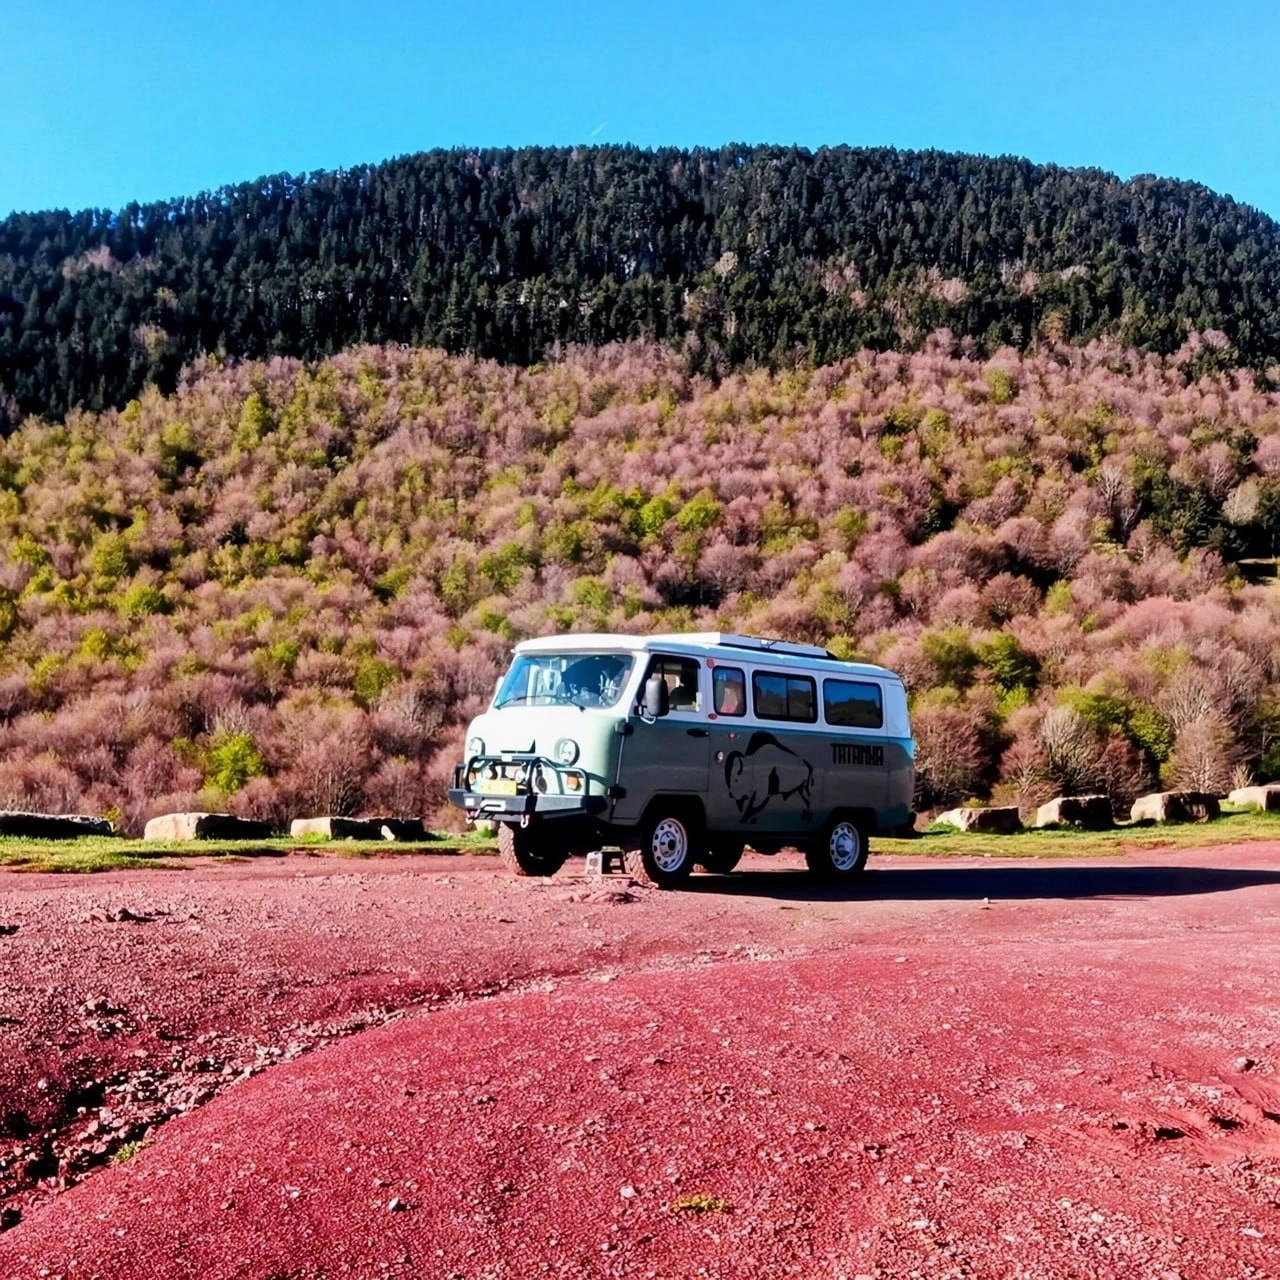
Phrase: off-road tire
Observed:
(525, 852)
(660, 851)
(720, 859)
(840, 853)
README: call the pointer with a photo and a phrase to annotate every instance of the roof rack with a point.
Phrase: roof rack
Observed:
(766, 645)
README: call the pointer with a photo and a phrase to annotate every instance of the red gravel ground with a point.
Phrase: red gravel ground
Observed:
(964, 1069)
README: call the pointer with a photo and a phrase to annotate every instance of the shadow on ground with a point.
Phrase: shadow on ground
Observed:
(970, 884)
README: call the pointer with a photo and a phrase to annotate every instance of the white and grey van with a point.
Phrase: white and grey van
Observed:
(685, 749)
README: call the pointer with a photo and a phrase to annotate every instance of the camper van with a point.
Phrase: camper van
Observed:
(683, 750)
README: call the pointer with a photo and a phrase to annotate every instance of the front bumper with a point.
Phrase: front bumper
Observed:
(501, 808)
(523, 788)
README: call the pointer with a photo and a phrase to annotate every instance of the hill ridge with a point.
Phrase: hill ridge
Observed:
(741, 255)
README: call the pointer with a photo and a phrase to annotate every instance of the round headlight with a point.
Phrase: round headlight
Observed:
(566, 751)
(475, 746)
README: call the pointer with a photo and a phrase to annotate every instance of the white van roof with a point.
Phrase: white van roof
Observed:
(718, 644)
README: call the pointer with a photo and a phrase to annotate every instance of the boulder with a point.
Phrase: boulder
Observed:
(1092, 813)
(1265, 798)
(52, 826)
(996, 822)
(411, 829)
(338, 828)
(1175, 806)
(204, 826)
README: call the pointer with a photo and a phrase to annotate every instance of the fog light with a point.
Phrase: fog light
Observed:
(566, 751)
(475, 746)
(573, 781)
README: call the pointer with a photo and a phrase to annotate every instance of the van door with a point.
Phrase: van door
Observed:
(856, 770)
(668, 755)
(731, 729)
(767, 777)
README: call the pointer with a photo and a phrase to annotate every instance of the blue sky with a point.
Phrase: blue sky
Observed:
(107, 103)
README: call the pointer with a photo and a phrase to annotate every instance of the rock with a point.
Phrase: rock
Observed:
(52, 826)
(1092, 813)
(359, 828)
(998, 822)
(1175, 806)
(412, 829)
(337, 828)
(204, 826)
(1265, 798)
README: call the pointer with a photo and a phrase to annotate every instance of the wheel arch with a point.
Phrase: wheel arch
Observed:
(863, 818)
(678, 805)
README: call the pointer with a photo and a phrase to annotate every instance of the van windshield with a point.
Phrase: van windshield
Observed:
(567, 679)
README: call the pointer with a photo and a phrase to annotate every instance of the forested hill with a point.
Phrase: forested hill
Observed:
(746, 255)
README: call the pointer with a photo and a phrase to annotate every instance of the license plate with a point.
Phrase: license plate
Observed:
(496, 786)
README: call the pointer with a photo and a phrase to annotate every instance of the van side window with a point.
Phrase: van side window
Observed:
(681, 676)
(779, 697)
(853, 704)
(729, 691)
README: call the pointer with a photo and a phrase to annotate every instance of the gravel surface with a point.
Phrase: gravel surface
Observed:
(966, 1068)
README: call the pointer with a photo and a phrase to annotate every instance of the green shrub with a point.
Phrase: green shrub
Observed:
(1011, 666)
(373, 675)
(653, 515)
(698, 514)
(850, 524)
(143, 599)
(1151, 731)
(952, 655)
(233, 758)
(110, 557)
(9, 616)
(1002, 386)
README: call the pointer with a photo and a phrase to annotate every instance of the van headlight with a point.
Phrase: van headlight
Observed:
(475, 746)
(566, 751)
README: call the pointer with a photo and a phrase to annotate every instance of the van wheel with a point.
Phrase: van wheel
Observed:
(720, 859)
(840, 852)
(660, 851)
(525, 853)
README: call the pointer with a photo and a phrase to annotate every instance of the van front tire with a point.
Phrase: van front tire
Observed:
(660, 851)
(840, 853)
(526, 852)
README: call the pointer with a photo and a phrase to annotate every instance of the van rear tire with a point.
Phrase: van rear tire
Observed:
(525, 852)
(840, 853)
(659, 852)
(720, 859)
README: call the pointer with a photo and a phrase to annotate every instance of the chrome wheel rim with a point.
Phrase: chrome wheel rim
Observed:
(844, 846)
(670, 845)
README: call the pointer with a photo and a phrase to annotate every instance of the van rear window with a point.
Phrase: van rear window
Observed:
(779, 697)
(853, 704)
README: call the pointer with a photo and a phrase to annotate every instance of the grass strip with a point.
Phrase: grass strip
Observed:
(111, 853)
(106, 853)
(1235, 826)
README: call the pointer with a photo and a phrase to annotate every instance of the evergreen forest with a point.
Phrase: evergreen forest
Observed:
(741, 257)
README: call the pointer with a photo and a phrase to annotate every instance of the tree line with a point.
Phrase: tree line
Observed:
(745, 256)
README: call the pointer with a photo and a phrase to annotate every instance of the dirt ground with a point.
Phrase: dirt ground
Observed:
(311, 1067)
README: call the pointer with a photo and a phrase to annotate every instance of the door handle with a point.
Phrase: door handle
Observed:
(698, 733)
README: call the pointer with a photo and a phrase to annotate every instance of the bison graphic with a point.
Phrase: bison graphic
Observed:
(765, 771)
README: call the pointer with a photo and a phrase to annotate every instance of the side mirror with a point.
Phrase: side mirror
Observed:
(657, 701)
